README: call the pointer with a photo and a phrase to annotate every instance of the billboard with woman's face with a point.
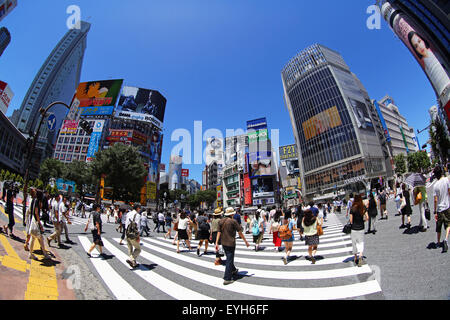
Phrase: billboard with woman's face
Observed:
(421, 50)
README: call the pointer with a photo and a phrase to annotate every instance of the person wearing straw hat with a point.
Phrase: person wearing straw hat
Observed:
(217, 216)
(227, 234)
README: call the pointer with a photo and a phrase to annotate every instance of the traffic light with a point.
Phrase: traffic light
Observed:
(85, 126)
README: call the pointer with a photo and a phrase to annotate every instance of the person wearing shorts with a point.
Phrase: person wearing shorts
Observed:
(95, 223)
(289, 242)
(183, 225)
(441, 195)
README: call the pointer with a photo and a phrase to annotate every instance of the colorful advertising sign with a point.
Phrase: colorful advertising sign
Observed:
(69, 127)
(257, 124)
(185, 172)
(421, 49)
(95, 139)
(6, 96)
(383, 122)
(260, 164)
(155, 156)
(97, 97)
(162, 167)
(258, 135)
(142, 104)
(151, 190)
(288, 152)
(321, 122)
(262, 187)
(66, 186)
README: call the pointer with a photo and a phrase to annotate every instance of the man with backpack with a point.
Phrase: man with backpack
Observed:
(132, 227)
(382, 202)
(203, 228)
(95, 224)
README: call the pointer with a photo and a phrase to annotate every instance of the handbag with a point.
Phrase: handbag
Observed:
(319, 230)
(175, 226)
(35, 231)
(347, 228)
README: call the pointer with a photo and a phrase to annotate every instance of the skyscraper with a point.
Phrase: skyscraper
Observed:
(335, 136)
(6, 6)
(5, 39)
(57, 80)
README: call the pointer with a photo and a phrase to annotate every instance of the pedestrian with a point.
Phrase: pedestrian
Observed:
(116, 215)
(358, 216)
(144, 224)
(310, 223)
(161, 222)
(274, 227)
(35, 228)
(300, 216)
(132, 226)
(349, 204)
(217, 216)
(56, 207)
(203, 228)
(382, 199)
(237, 216)
(372, 213)
(108, 214)
(155, 219)
(176, 217)
(441, 195)
(286, 233)
(94, 223)
(405, 207)
(65, 219)
(420, 196)
(183, 225)
(257, 227)
(123, 220)
(45, 209)
(227, 236)
(398, 198)
(8, 196)
(168, 221)
(193, 225)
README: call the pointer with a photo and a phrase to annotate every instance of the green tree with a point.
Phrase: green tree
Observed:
(124, 170)
(440, 142)
(400, 164)
(7, 175)
(2, 175)
(80, 173)
(418, 162)
(51, 168)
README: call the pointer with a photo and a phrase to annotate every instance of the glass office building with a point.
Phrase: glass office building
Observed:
(338, 146)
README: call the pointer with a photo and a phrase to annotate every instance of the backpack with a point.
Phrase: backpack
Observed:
(284, 232)
(132, 231)
(204, 225)
(255, 229)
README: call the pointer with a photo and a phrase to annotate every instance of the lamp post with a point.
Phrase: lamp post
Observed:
(43, 113)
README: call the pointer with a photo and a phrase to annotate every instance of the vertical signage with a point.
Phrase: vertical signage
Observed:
(95, 139)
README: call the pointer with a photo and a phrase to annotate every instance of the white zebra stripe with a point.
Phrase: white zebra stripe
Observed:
(118, 286)
(169, 287)
(281, 293)
(290, 275)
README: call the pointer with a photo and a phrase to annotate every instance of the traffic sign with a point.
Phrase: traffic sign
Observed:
(51, 122)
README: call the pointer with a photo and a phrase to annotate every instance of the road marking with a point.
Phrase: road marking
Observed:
(292, 275)
(121, 289)
(281, 293)
(169, 287)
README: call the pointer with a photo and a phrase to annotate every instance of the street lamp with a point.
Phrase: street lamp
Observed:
(31, 148)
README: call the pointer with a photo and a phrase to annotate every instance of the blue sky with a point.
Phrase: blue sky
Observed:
(218, 61)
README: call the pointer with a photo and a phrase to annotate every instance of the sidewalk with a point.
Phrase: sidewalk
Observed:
(25, 279)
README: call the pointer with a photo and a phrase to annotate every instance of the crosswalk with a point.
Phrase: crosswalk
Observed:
(165, 274)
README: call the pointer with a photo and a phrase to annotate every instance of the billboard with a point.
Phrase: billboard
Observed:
(383, 122)
(6, 7)
(142, 104)
(292, 167)
(257, 124)
(288, 152)
(66, 186)
(361, 115)
(6, 96)
(421, 49)
(97, 97)
(258, 135)
(69, 127)
(95, 139)
(262, 187)
(321, 122)
(185, 172)
(155, 142)
(260, 164)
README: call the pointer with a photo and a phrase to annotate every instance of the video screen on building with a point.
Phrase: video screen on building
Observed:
(361, 115)
(262, 187)
(292, 167)
(321, 123)
(141, 104)
(260, 164)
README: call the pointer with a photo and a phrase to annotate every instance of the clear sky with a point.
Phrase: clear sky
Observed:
(216, 61)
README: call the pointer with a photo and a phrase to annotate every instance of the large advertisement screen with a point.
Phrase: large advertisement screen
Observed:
(260, 164)
(6, 96)
(69, 127)
(262, 187)
(321, 122)
(361, 114)
(421, 49)
(142, 104)
(156, 140)
(97, 97)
